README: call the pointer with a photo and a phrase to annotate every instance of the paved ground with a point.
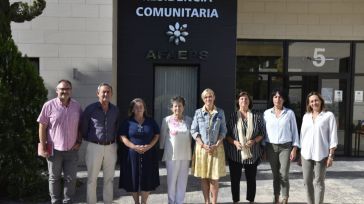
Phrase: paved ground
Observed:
(344, 184)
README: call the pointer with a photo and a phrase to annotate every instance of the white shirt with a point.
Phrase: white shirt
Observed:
(175, 138)
(282, 129)
(318, 136)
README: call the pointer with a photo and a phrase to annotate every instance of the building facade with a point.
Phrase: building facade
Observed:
(305, 46)
(302, 46)
(72, 39)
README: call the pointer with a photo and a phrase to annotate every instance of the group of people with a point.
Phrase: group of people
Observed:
(245, 137)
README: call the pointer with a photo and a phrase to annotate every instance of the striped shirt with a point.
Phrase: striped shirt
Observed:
(258, 130)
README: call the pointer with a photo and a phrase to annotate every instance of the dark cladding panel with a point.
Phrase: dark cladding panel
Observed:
(206, 31)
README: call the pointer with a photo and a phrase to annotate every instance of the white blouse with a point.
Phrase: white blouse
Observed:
(318, 136)
(282, 129)
(175, 138)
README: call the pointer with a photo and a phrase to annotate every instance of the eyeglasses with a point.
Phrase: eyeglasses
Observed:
(64, 89)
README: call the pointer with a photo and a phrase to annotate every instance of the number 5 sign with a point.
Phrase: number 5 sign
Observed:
(319, 58)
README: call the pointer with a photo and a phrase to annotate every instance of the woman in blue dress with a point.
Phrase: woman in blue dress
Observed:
(139, 165)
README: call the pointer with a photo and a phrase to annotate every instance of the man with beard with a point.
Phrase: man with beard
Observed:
(60, 140)
(99, 125)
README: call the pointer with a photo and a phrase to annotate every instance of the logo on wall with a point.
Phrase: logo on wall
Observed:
(177, 33)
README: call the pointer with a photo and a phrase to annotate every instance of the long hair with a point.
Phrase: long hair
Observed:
(132, 104)
(308, 107)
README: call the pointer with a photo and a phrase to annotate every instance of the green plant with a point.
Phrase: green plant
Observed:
(18, 12)
(22, 94)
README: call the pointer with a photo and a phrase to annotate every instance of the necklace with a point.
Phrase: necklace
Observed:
(314, 116)
(140, 124)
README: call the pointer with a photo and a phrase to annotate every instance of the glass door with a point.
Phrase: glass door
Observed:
(298, 89)
(334, 90)
(170, 81)
(322, 67)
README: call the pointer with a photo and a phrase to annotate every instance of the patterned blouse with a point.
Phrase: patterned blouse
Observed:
(258, 130)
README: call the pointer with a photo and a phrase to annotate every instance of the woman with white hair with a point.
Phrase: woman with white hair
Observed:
(175, 139)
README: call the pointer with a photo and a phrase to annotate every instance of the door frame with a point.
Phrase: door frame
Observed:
(347, 100)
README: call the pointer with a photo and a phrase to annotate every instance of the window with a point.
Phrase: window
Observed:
(35, 62)
(358, 113)
(359, 61)
(172, 81)
(259, 69)
(319, 57)
(259, 56)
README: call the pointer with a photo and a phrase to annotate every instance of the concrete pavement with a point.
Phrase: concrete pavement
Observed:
(344, 184)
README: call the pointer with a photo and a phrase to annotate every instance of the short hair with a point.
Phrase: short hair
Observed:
(178, 99)
(206, 91)
(282, 94)
(103, 84)
(244, 93)
(65, 81)
(132, 104)
(308, 107)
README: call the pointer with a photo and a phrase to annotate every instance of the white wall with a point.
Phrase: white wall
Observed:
(301, 19)
(70, 34)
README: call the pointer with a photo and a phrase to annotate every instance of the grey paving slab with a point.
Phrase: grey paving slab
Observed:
(344, 184)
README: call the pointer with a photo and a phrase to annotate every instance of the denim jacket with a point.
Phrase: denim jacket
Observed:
(200, 125)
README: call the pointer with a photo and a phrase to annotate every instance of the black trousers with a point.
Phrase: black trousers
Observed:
(235, 176)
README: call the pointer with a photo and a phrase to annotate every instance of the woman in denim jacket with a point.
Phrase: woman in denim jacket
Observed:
(209, 129)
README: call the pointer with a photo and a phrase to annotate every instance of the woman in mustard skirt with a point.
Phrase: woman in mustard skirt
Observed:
(209, 129)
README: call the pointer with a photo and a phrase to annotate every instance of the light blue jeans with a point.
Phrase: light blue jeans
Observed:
(62, 162)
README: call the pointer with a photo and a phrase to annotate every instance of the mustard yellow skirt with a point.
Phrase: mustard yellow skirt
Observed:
(208, 166)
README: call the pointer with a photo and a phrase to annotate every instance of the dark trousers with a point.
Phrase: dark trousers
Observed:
(250, 175)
